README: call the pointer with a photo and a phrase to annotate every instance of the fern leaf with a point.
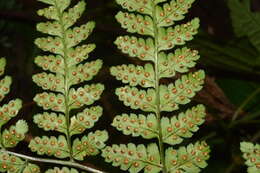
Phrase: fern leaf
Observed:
(31, 168)
(52, 63)
(2, 66)
(144, 6)
(51, 121)
(50, 101)
(50, 146)
(14, 134)
(50, 81)
(251, 153)
(10, 164)
(182, 91)
(84, 72)
(49, 12)
(85, 120)
(136, 47)
(180, 61)
(63, 170)
(137, 99)
(134, 158)
(245, 22)
(89, 145)
(51, 28)
(78, 34)
(79, 54)
(171, 12)
(51, 44)
(137, 125)
(9, 111)
(187, 159)
(182, 126)
(70, 17)
(135, 23)
(5, 84)
(179, 35)
(85, 96)
(135, 75)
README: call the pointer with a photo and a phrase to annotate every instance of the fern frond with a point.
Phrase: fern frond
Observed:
(9, 110)
(181, 61)
(187, 159)
(85, 120)
(135, 75)
(51, 121)
(134, 158)
(177, 128)
(137, 125)
(89, 145)
(154, 20)
(251, 153)
(136, 47)
(14, 134)
(137, 99)
(52, 146)
(67, 71)
(5, 84)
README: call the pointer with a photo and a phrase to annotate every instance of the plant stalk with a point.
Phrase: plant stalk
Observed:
(53, 161)
(157, 90)
(66, 86)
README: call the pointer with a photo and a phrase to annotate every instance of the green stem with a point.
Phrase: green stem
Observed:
(53, 161)
(66, 85)
(157, 89)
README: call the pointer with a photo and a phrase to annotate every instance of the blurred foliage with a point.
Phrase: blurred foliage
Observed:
(229, 46)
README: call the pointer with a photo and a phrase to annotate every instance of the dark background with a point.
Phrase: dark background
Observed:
(231, 64)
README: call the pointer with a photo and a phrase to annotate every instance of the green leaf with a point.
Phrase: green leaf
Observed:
(51, 44)
(251, 153)
(179, 35)
(50, 101)
(49, 13)
(85, 96)
(51, 121)
(144, 6)
(50, 2)
(135, 23)
(84, 72)
(2, 66)
(135, 75)
(85, 120)
(78, 34)
(182, 91)
(50, 81)
(50, 146)
(14, 134)
(137, 125)
(187, 159)
(183, 125)
(171, 12)
(70, 18)
(137, 99)
(51, 28)
(31, 168)
(180, 61)
(62, 4)
(10, 164)
(133, 158)
(9, 111)
(52, 63)
(245, 22)
(5, 84)
(79, 54)
(89, 145)
(136, 47)
(63, 170)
